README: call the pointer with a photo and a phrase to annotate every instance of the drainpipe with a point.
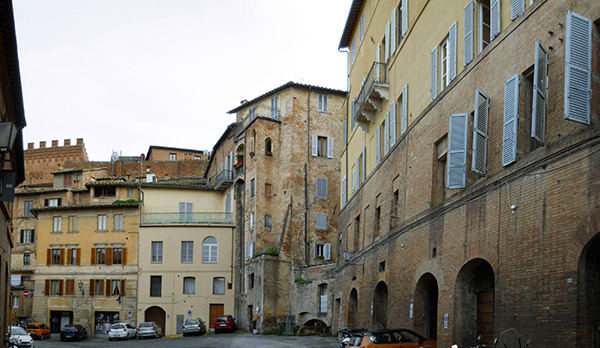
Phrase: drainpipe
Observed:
(306, 168)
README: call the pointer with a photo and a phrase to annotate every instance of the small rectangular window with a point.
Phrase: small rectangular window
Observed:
(157, 252)
(129, 193)
(219, 286)
(189, 285)
(72, 223)
(321, 221)
(115, 287)
(27, 236)
(27, 208)
(26, 259)
(52, 202)
(155, 286)
(100, 256)
(54, 287)
(321, 188)
(322, 102)
(268, 222)
(101, 222)
(172, 157)
(187, 252)
(56, 256)
(57, 224)
(252, 183)
(117, 256)
(118, 222)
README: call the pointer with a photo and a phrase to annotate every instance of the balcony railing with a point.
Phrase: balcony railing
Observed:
(256, 111)
(186, 218)
(238, 171)
(374, 89)
(224, 179)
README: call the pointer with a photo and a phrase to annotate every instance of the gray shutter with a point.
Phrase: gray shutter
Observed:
(327, 251)
(495, 18)
(377, 60)
(517, 7)
(404, 17)
(358, 171)
(482, 106)
(452, 49)
(392, 124)
(468, 32)
(393, 30)
(387, 42)
(329, 147)
(540, 93)
(457, 151)
(364, 164)
(345, 129)
(511, 120)
(315, 151)
(433, 89)
(378, 143)
(404, 111)
(578, 92)
(386, 134)
(344, 191)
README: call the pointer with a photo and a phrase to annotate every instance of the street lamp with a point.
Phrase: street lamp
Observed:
(80, 286)
(8, 134)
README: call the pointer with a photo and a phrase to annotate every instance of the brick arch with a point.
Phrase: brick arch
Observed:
(474, 302)
(352, 308)
(588, 294)
(425, 309)
(380, 304)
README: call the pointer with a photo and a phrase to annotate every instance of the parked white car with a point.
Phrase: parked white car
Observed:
(20, 338)
(121, 331)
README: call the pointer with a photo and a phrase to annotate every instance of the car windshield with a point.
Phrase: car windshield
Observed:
(407, 337)
(69, 327)
(32, 326)
(191, 322)
(146, 325)
(117, 326)
(18, 331)
(222, 320)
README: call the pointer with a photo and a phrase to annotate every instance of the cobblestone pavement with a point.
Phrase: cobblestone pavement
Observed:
(233, 340)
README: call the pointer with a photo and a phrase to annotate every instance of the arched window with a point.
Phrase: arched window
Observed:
(268, 147)
(210, 250)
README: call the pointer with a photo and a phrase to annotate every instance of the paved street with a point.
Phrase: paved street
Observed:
(234, 340)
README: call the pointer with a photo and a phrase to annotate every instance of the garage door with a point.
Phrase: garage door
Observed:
(157, 314)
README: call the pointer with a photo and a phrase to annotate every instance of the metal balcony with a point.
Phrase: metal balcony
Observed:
(374, 90)
(224, 180)
(186, 218)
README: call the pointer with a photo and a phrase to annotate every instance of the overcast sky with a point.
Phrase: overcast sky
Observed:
(127, 74)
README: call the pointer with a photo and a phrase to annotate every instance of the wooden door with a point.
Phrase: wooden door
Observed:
(485, 315)
(216, 310)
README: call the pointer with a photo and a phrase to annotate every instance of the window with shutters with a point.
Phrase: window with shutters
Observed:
(401, 20)
(57, 224)
(484, 22)
(383, 142)
(100, 256)
(354, 49)
(362, 27)
(189, 285)
(56, 255)
(345, 132)
(27, 206)
(321, 188)
(73, 256)
(187, 252)
(444, 63)
(101, 222)
(527, 95)
(157, 252)
(517, 7)
(26, 259)
(323, 103)
(130, 192)
(439, 184)
(480, 135)
(117, 256)
(268, 222)
(210, 250)
(539, 92)
(70, 287)
(344, 191)
(275, 108)
(321, 221)
(322, 146)
(27, 236)
(54, 287)
(155, 286)
(578, 68)
(118, 222)
(457, 151)
(98, 286)
(511, 120)
(251, 220)
(115, 287)
(52, 202)
(401, 112)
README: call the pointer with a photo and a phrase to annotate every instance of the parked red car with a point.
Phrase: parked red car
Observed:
(225, 323)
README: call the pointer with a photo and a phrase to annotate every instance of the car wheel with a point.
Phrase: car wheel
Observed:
(41, 337)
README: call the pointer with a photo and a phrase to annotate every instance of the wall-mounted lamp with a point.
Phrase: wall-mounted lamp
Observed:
(8, 134)
(347, 256)
(80, 286)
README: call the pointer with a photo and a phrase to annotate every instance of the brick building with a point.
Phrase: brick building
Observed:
(469, 187)
(279, 164)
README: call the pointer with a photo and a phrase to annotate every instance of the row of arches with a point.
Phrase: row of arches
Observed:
(474, 304)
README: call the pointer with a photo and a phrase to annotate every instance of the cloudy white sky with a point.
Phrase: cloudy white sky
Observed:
(127, 74)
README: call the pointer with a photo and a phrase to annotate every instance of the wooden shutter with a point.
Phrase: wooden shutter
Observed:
(511, 117)
(93, 256)
(457, 151)
(108, 285)
(386, 134)
(468, 33)
(517, 7)
(387, 42)
(47, 287)
(404, 17)
(327, 251)
(109, 256)
(49, 257)
(452, 51)
(61, 287)
(433, 89)
(123, 256)
(393, 31)
(404, 111)
(495, 18)
(578, 74)
(122, 287)
(78, 256)
(540, 93)
(479, 162)
(315, 146)
(364, 164)
(92, 290)
(101, 287)
(62, 256)
(393, 124)
(329, 147)
(378, 143)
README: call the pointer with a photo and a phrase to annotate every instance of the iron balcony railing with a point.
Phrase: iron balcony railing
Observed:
(256, 111)
(238, 171)
(377, 75)
(186, 218)
(223, 177)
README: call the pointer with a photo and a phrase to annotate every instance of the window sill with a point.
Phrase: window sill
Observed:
(102, 231)
(73, 232)
(56, 232)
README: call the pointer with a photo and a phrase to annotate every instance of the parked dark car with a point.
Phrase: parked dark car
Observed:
(73, 332)
(225, 323)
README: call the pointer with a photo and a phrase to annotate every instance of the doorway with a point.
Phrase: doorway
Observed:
(216, 310)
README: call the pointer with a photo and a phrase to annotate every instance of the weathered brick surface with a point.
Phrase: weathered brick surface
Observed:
(534, 251)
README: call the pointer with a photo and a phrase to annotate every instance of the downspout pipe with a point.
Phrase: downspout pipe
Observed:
(306, 178)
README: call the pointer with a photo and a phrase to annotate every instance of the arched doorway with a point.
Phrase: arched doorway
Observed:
(380, 304)
(352, 308)
(156, 314)
(426, 306)
(474, 302)
(588, 295)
